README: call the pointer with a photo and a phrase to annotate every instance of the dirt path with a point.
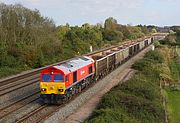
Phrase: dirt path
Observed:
(86, 110)
(123, 73)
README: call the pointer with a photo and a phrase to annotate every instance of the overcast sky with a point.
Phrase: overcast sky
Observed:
(77, 12)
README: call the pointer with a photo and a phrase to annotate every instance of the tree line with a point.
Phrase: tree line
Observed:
(29, 40)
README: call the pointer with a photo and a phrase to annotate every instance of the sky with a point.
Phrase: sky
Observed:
(78, 12)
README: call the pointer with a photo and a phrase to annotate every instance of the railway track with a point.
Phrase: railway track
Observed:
(45, 111)
(6, 89)
(37, 115)
(18, 104)
(17, 82)
(18, 78)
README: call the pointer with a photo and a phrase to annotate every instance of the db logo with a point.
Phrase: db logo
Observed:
(82, 72)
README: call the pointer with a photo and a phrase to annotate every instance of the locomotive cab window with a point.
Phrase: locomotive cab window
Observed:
(46, 77)
(66, 78)
(90, 69)
(58, 78)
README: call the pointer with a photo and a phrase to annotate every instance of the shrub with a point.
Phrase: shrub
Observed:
(142, 87)
(154, 56)
(141, 64)
(111, 115)
(157, 44)
(138, 99)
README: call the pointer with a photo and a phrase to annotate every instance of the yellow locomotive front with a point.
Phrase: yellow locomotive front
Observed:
(52, 85)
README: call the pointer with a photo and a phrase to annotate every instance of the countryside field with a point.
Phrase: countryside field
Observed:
(173, 96)
(173, 105)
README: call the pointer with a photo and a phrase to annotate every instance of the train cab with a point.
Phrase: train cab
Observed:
(60, 81)
(52, 81)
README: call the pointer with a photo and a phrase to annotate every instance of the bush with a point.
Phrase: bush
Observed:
(141, 87)
(151, 58)
(154, 56)
(157, 44)
(169, 40)
(117, 105)
(136, 100)
(144, 110)
(109, 115)
(141, 64)
(9, 61)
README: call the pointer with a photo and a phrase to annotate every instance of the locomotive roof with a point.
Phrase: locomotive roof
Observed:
(74, 64)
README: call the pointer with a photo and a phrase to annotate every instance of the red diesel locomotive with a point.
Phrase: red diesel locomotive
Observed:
(62, 81)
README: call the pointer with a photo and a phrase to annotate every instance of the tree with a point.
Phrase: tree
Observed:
(110, 24)
(154, 30)
(144, 29)
(21, 29)
(113, 35)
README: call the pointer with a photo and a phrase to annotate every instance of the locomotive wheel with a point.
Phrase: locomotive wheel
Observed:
(64, 99)
(79, 89)
(73, 91)
(59, 102)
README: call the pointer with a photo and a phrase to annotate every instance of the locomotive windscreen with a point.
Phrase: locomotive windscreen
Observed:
(58, 78)
(46, 78)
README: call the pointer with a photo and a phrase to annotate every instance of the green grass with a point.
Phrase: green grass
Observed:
(178, 50)
(173, 105)
(175, 70)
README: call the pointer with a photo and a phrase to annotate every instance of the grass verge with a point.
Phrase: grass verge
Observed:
(178, 50)
(173, 105)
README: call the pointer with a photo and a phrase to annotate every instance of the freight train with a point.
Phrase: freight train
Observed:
(61, 82)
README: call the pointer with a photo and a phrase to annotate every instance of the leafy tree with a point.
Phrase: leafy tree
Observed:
(169, 40)
(29, 40)
(110, 24)
(23, 33)
(154, 30)
(112, 35)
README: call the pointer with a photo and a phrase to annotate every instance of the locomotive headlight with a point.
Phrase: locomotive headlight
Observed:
(43, 89)
(60, 90)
